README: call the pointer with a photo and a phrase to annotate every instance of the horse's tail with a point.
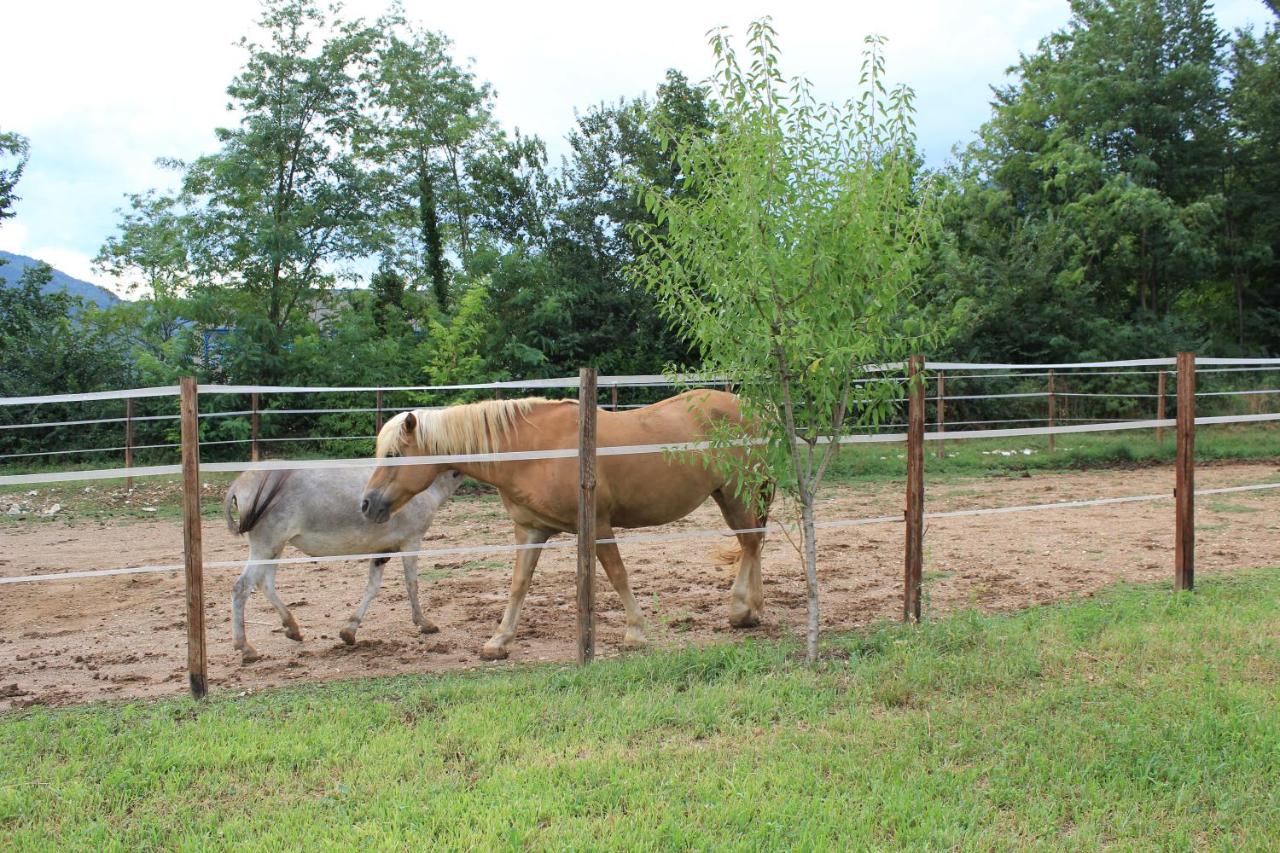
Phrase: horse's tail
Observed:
(264, 497)
(726, 554)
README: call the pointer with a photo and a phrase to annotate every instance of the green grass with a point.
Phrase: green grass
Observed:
(1137, 719)
(1074, 452)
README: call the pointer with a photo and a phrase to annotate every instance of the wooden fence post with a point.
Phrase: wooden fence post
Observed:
(613, 397)
(914, 564)
(1160, 392)
(377, 419)
(942, 413)
(197, 660)
(1053, 409)
(128, 441)
(1184, 558)
(253, 422)
(586, 513)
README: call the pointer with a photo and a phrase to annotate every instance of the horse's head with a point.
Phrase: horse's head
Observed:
(392, 486)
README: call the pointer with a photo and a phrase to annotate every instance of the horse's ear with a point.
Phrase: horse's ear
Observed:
(410, 424)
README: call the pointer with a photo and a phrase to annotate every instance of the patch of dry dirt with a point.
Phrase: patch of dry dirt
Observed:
(71, 641)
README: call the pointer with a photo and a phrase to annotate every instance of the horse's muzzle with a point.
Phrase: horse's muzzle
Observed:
(375, 507)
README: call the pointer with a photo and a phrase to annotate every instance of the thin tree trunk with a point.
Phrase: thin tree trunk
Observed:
(810, 572)
(1240, 309)
(429, 219)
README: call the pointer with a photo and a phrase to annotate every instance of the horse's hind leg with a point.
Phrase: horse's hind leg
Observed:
(286, 618)
(611, 559)
(348, 634)
(526, 561)
(746, 601)
(424, 624)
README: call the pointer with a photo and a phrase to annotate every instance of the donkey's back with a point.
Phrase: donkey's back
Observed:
(318, 511)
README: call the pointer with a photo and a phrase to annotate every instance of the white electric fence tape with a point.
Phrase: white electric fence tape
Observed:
(622, 540)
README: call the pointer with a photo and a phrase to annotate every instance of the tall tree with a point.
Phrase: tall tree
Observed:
(285, 198)
(150, 255)
(1252, 187)
(430, 112)
(1098, 176)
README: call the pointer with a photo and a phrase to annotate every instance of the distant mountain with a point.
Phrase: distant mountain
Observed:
(12, 271)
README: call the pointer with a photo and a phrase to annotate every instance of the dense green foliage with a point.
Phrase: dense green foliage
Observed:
(1134, 720)
(1122, 199)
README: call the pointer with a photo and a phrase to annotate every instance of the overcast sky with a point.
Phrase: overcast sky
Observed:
(103, 89)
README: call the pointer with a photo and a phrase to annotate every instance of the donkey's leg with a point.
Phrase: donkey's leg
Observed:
(424, 624)
(348, 634)
(611, 559)
(255, 570)
(746, 601)
(286, 618)
(526, 560)
(249, 578)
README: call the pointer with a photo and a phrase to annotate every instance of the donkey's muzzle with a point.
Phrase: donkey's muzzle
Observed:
(375, 507)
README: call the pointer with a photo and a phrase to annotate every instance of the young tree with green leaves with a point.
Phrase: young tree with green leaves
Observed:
(789, 263)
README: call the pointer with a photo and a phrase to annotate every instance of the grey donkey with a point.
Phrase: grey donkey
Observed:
(318, 512)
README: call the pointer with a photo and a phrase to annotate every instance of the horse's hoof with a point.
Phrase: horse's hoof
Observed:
(429, 628)
(249, 656)
(348, 636)
(634, 642)
(493, 652)
(744, 619)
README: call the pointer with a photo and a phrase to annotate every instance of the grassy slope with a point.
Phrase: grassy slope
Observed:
(1136, 718)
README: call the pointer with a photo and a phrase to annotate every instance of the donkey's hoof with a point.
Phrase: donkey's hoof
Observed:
(429, 627)
(744, 618)
(293, 633)
(488, 652)
(348, 636)
(250, 655)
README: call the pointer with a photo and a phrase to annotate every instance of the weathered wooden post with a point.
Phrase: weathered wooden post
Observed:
(914, 564)
(197, 661)
(128, 441)
(377, 420)
(1184, 547)
(942, 413)
(253, 425)
(586, 513)
(1160, 392)
(1053, 409)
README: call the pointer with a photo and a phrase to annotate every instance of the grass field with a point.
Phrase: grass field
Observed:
(1137, 719)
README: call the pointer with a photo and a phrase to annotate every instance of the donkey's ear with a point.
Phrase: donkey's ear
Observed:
(410, 424)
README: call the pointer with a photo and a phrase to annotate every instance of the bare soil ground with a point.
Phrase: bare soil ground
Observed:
(64, 642)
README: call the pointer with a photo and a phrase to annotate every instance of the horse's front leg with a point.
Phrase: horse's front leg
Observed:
(611, 559)
(526, 561)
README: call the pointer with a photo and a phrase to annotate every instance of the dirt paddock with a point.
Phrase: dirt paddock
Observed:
(65, 642)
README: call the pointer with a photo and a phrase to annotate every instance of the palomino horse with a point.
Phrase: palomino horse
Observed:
(317, 511)
(541, 495)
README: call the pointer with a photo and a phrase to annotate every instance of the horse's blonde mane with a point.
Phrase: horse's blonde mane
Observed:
(466, 428)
